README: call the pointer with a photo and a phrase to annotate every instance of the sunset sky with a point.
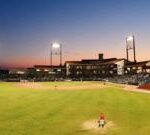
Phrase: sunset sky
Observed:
(84, 27)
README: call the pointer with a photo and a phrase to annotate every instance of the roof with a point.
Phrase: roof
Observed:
(96, 61)
(47, 66)
(115, 61)
(17, 69)
(72, 61)
(137, 64)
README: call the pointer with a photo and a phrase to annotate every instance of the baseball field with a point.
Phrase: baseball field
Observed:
(72, 108)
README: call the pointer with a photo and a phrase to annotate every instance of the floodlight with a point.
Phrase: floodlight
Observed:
(130, 38)
(55, 45)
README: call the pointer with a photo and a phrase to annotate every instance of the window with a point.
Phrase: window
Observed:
(111, 72)
(103, 72)
(77, 67)
(103, 66)
(78, 72)
(94, 71)
(111, 66)
(88, 67)
(37, 70)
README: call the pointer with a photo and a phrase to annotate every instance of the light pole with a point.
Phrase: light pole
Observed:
(58, 48)
(130, 45)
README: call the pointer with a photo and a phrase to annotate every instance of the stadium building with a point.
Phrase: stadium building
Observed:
(46, 72)
(137, 67)
(95, 67)
(101, 68)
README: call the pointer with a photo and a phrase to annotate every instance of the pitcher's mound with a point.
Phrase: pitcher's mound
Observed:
(92, 125)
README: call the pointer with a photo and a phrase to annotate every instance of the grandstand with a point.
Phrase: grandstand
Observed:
(117, 70)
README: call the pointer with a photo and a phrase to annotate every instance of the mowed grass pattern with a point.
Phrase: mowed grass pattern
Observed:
(62, 112)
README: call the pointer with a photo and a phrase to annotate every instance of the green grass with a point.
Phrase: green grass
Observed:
(52, 112)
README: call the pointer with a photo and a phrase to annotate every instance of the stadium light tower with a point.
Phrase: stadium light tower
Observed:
(130, 45)
(56, 49)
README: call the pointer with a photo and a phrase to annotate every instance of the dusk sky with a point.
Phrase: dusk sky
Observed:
(84, 27)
